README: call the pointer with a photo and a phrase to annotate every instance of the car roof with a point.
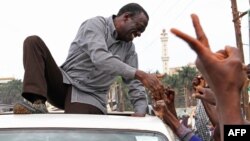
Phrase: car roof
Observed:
(58, 120)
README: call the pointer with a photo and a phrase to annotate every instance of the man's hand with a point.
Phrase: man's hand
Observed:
(165, 110)
(226, 64)
(198, 81)
(152, 82)
(160, 108)
(169, 98)
(138, 115)
(205, 94)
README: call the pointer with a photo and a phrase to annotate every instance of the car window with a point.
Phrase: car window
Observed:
(78, 135)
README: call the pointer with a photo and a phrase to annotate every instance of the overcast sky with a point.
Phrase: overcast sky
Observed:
(57, 21)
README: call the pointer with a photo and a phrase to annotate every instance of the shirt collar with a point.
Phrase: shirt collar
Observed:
(112, 26)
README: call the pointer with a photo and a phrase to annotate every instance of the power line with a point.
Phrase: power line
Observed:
(158, 7)
(175, 19)
(157, 23)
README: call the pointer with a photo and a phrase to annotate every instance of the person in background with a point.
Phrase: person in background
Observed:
(103, 49)
(248, 92)
(201, 120)
(192, 120)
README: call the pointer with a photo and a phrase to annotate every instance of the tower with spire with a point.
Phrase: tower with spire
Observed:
(165, 57)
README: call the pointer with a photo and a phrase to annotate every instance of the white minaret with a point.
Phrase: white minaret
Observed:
(165, 58)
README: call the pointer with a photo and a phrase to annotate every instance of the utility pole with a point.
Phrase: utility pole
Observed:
(237, 26)
(249, 31)
(248, 108)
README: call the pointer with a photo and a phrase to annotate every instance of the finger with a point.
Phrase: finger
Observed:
(160, 102)
(195, 44)
(200, 89)
(198, 95)
(157, 95)
(220, 56)
(232, 52)
(171, 92)
(167, 99)
(161, 89)
(193, 95)
(200, 34)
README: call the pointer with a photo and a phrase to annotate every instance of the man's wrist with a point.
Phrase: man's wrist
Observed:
(139, 74)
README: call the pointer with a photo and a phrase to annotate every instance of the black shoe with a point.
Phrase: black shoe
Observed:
(27, 108)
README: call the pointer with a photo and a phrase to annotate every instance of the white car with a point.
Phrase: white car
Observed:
(82, 127)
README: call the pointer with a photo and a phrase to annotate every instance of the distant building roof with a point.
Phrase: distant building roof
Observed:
(175, 70)
(6, 79)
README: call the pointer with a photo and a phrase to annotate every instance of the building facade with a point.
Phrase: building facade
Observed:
(165, 57)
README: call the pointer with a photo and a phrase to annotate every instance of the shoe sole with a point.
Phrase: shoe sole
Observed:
(21, 108)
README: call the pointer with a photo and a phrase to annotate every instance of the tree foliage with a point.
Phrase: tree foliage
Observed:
(181, 82)
(10, 92)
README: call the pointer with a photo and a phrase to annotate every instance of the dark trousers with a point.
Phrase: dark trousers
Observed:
(43, 79)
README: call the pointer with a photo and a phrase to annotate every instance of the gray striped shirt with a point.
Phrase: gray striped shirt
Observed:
(95, 58)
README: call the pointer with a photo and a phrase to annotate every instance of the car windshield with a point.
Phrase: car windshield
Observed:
(78, 135)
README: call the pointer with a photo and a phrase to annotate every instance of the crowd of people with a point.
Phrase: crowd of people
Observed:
(103, 49)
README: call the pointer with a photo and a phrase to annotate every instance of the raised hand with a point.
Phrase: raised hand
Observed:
(205, 94)
(198, 81)
(165, 109)
(169, 100)
(223, 71)
(224, 64)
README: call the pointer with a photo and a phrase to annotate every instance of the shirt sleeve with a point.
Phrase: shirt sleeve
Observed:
(137, 92)
(91, 38)
(195, 138)
(186, 134)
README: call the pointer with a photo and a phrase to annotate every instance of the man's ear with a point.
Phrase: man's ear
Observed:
(127, 15)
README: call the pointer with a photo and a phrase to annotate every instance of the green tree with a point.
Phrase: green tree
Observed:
(123, 98)
(10, 92)
(181, 82)
(173, 81)
(186, 75)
